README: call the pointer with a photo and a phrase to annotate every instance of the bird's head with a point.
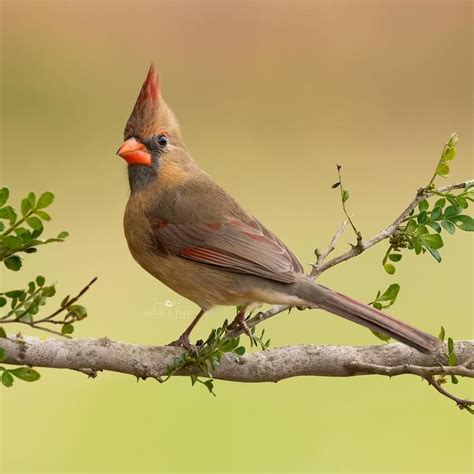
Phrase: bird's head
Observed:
(152, 133)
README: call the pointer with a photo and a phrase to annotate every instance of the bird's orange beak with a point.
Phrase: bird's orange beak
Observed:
(134, 152)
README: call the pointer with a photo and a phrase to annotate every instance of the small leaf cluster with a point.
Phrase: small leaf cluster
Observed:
(209, 353)
(23, 373)
(20, 231)
(24, 305)
(385, 300)
(207, 356)
(422, 231)
(451, 355)
(448, 154)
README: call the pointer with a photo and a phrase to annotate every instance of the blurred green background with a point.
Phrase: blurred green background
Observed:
(270, 95)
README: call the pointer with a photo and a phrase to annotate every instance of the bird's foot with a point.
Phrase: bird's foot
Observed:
(184, 342)
(242, 324)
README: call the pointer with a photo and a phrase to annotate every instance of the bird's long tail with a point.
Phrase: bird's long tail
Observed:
(365, 315)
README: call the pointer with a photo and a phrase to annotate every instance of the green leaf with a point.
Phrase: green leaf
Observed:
(465, 223)
(449, 153)
(389, 268)
(390, 293)
(240, 350)
(442, 333)
(435, 226)
(411, 226)
(4, 195)
(416, 242)
(210, 386)
(40, 280)
(452, 359)
(13, 242)
(25, 206)
(26, 373)
(13, 263)
(450, 345)
(422, 217)
(421, 230)
(43, 215)
(434, 253)
(440, 203)
(345, 195)
(7, 379)
(80, 312)
(229, 345)
(32, 198)
(63, 234)
(423, 205)
(381, 336)
(377, 305)
(25, 317)
(462, 202)
(3, 301)
(453, 139)
(433, 241)
(14, 293)
(448, 226)
(442, 169)
(9, 213)
(34, 223)
(454, 380)
(452, 211)
(395, 257)
(45, 200)
(2, 353)
(436, 213)
(49, 291)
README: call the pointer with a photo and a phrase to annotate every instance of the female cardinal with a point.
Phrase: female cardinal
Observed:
(190, 234)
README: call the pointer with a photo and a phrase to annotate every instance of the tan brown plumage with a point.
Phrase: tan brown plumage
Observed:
(190, 234)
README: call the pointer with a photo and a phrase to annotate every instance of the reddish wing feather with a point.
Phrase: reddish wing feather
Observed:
(234, 245)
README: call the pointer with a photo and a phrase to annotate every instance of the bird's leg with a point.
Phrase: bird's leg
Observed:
(239, 321)
(183, 340)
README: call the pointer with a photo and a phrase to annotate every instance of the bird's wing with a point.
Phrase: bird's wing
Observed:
(244, 247)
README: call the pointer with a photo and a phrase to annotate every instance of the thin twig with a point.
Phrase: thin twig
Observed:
(321, 256)
(343, 201)
(390, 230)
(69, 303)
(355, 250)
(462, 403)
(36, 324)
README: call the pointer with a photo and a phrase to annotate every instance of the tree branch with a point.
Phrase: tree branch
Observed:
(92, 355)
(390, 230)
(89, 356)
(322, 265)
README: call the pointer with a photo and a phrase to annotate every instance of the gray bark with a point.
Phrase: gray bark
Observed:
(266, 366)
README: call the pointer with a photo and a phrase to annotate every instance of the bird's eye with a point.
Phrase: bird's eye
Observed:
(163, 140)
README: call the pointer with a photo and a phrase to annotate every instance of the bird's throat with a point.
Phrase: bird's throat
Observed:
(140, 176)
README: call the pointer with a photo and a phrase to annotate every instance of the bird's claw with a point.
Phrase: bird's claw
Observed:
(184, 342)
(242, 324)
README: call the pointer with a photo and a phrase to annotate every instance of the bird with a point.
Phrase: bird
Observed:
(190, 234)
